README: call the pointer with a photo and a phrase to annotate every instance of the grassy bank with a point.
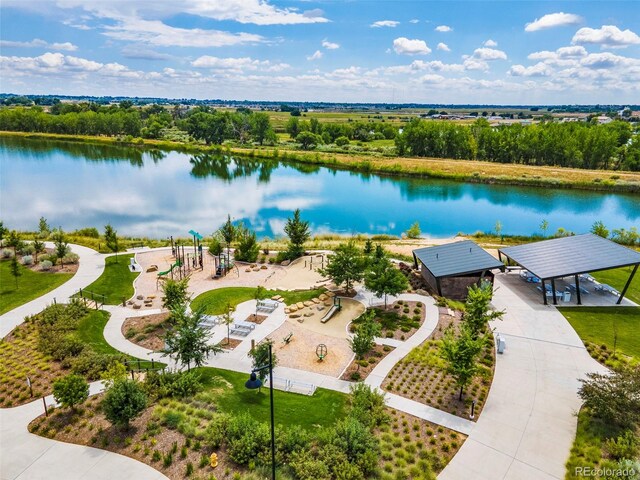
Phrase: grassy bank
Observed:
(116, 282)
(31, 285)
(450, 169)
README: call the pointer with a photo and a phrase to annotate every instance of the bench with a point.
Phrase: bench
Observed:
(267, 305)
(286, 340)
(244, 326)
(240, 332)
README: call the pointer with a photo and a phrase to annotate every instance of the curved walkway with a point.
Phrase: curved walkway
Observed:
(527, 426)
(90, 268)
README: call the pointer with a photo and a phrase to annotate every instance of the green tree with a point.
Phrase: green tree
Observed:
(383, 278)
(260, 293)
(461, 355)
(44, 230)
(261, 127)
(260, 357)
(298, 232)
(363, 339)
(308, 140)
(368, 247)
(346, 266)
(498, 229)
(188, 342)
(598, 228)
(38, 247)
(60, 243)
(14, 241)
(544, 226)
(70, 391)
(14, 268)
(176, 294)
(478, 312)
(215, 245)
(228, 233)
(227, 319)
(3, 232)
(293, 127)
(248, 246)
(124, 401)
(414, 231)
(111, 239)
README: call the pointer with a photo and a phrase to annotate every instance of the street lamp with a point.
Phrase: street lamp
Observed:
(253, 383)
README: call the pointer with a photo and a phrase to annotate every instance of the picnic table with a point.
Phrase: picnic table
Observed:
(267, 305)
(604, 288)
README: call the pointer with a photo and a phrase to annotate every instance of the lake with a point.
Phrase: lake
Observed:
(156, 194)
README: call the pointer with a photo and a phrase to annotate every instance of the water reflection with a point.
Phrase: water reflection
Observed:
(159, 193)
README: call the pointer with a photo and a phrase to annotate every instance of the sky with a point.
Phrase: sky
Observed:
(480, 52)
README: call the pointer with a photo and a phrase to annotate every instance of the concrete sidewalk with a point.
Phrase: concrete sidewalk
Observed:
(527, 426)
(24, 456)
(90, 268)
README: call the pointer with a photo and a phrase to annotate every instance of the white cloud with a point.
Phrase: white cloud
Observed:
(330, 45)
(316, 56)
(472, 63)
(571, 52)
(432, 79)
(414, 21)
(606, 36)
(490, 43)
(237, 64)
(154, 32)
(259, 12)
(142, 53)
(405, 46)
(607, 60)
(37, 43)
(443, 28)
(384, 23)
(444, 47)
(540, 69)
(552, 20)
(489, 54)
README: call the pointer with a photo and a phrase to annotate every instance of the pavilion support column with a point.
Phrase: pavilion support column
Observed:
(438, 286)
(544, 292)
(624, 290)
(578, 290)
(553, 291)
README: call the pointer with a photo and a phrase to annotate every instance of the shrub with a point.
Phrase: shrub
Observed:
(6, 253)
(91, 364)
(307, 466)
(342, 141)
(46, 265)
(27, 260)
(123, 401)
(71, 257)
(71, 390)
(216, 431)
(247, 439)
(624, 446)
(176, 385)
(355, 376)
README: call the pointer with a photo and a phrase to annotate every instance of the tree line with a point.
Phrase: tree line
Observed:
(578, 145)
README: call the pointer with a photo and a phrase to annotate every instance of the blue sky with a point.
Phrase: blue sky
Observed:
(506, 52)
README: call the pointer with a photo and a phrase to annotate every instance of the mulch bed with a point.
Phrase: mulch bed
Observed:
(256, 319)
(407, 310)
(372, 359)
(146, 331)
(231, 344)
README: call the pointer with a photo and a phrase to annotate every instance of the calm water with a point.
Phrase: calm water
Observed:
(158, 194)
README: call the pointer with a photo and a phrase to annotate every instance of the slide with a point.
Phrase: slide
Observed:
(177, 264)
(329, 314)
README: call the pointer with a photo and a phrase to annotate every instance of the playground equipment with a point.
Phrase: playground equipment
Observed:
(223, 265)
(319, 262)
(321, 351)
(197, 260)
(336, 307)
(286, 340)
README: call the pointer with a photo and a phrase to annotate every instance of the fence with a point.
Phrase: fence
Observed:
(87, 297)
(292, 386)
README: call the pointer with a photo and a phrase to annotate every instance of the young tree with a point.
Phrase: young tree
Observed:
(227, 319)
(111, 239)
(298, 233)
(124, 401)
(498, 229)
(598, 228)
(461, 355)
(70, 391)
(414, 231)
(368, 247)
(14, 241)
(187, 341)
(14, 268)
(3, 232)
(175, 294)
(61, 245)
(248, 247)
(215, 245)
(259, 294)
(308, 140)
(346, 265)
(44, 230)
(38, 247)
(260, 357)
(544, 226)
(383, 278)
(364, 338)
(478, 310)
(261, 127)
(228, 233)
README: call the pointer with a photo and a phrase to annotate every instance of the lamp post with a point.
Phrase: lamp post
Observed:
(253, 383)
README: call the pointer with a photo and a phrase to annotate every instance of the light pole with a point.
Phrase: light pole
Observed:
(253, 383)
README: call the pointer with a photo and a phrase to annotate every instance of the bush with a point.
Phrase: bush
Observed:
(6, 253)
(87, 232)
(28, 249)
(71, 257)
(216, 431)
(168, 384)
(27, 260)
(342, 141)
(123, 401)
(307, 466)
(357, 442)
(46, 265)
(368, 405)
(71, 390)
(625, 446)
(91, 364)
(247, 439)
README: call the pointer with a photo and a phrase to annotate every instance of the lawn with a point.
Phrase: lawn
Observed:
(215, 301)
(596, 325)
(323, 408)
(116, 282)
(31, 285)
(617, 278)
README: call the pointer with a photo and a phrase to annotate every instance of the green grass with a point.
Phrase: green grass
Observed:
(596, 325)
(215, 301)
(617, 278)
(323, 408)
(90, 332)
(31, 285)
(116, 282)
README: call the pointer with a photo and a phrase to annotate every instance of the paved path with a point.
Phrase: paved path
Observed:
(90, 268)
(527, 426)
(24, 456)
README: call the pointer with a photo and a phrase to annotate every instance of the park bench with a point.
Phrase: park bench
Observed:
(286, 340)
(267, 305)
(240, 332)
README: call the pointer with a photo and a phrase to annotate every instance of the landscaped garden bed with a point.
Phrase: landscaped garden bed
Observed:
(147, 331)
(401, 319)
(360, 369)
(421, 375)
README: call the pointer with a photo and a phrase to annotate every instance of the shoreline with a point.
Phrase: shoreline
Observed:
(469, 171)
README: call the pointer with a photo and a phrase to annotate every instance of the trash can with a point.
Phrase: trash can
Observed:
(566, 297)
(500, 343)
